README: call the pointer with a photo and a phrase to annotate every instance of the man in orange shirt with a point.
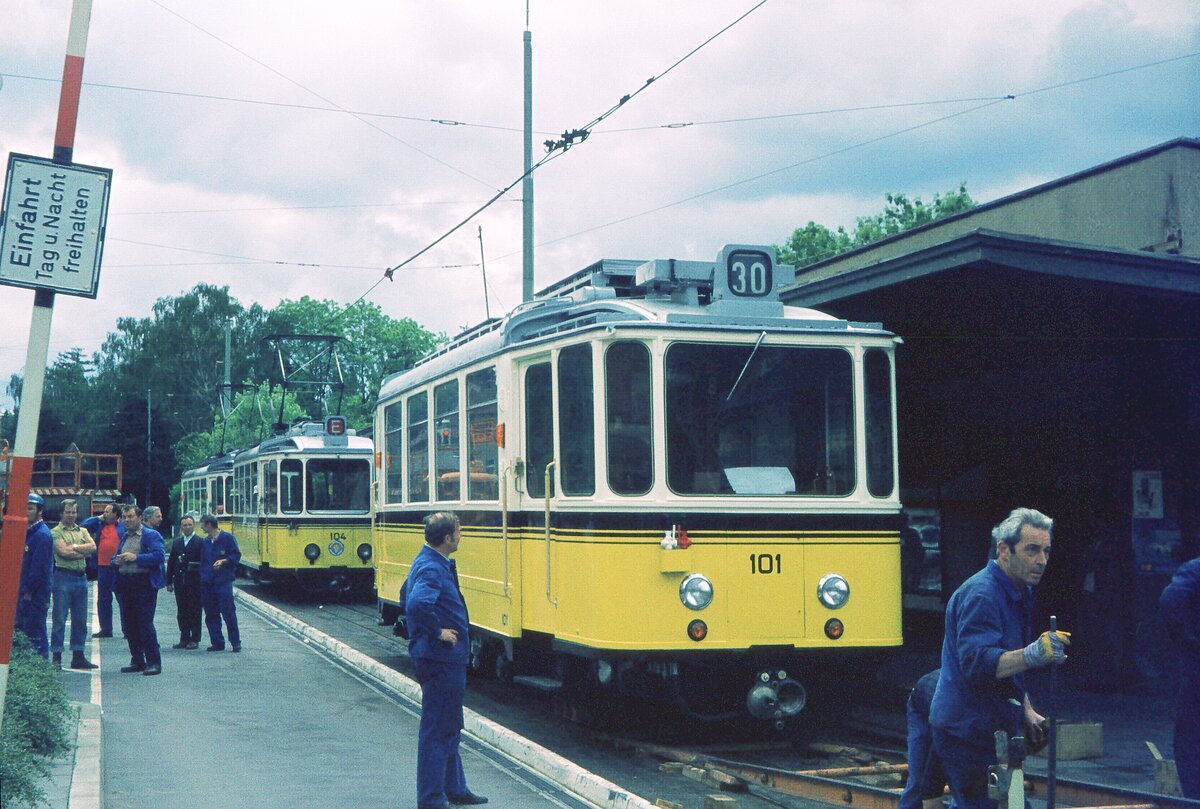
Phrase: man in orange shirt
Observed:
(107, 532)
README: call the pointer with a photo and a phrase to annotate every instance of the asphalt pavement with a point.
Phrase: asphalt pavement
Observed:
(283, 723)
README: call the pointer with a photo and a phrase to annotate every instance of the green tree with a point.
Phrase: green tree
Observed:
(814, 242)
(375, 346)
(249, 421)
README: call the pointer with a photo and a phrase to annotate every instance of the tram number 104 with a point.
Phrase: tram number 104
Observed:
(749, 274)
(765, 563)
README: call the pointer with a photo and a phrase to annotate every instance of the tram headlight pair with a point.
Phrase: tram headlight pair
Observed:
(833, 590)
(696, 591)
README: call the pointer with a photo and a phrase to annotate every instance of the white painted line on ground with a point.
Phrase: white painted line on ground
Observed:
(570, 776)
(85, 779)
(94, 624)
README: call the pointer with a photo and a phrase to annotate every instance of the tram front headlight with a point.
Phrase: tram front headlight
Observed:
(364, 552)
(312, 552)
(696, 591)
(833, 591)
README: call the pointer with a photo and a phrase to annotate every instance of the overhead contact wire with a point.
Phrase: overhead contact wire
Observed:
(555, 149)
(287, 78)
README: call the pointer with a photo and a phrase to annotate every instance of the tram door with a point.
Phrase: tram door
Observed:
(537, 391)
(267, 503)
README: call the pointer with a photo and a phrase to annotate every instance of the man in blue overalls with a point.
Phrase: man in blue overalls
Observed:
(985, 654)
(219, 557)
(1180, 609)
(37, 577)
(439, 646)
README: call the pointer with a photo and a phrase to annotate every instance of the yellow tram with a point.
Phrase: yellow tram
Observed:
(301, 505)
(206, 490)
(669, 483)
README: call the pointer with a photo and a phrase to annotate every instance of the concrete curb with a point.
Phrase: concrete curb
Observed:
(570, 776)
(89, 753)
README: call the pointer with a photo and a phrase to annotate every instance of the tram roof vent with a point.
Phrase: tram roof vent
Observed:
(678, 281)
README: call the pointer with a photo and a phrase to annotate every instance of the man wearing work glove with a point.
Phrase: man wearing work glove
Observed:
(985, 653)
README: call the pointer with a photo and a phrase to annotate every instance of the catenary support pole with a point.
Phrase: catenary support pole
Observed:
(527, 183)
(12, 537)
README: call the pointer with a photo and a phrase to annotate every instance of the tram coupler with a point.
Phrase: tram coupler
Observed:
(1006, 778)
(775, 696)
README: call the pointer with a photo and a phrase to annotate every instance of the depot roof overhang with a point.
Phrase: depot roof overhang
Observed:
(985, 280)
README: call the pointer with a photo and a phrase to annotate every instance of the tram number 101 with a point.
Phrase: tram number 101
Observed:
(765, 563)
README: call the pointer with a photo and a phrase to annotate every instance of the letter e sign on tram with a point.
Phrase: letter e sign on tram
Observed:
(52, 225)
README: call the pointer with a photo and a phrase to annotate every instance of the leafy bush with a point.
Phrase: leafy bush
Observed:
(37, 725)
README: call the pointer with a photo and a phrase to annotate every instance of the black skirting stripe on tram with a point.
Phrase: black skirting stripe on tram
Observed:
(659, 521)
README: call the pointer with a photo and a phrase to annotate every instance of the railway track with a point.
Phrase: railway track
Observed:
(849, 786)
(849, 771)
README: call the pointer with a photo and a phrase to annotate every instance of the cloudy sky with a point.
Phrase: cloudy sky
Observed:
(292, 148)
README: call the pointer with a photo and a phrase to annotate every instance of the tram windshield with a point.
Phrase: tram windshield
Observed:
(759, 420)
(338, 484)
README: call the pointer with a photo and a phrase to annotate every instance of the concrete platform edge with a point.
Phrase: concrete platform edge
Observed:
(570, 776)
(89, 760)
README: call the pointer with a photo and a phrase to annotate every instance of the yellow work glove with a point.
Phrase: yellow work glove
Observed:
(1050, 647)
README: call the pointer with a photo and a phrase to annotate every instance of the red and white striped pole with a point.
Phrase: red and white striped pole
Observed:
(12, 538)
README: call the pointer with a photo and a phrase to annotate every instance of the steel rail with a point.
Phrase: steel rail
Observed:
(832, 786)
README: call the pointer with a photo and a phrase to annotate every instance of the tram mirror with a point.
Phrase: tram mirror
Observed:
(761, 479)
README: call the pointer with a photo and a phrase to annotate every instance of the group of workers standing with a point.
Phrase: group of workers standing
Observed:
(132, 566)
(980, 689)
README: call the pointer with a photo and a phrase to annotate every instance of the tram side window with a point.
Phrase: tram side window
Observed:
(482, 453)
(629, 403)
(877, 374)
(226, 495)
(393, 437)
(338, 484)
(270, 487)
(291, 486)
(772, 420)
(418, 447)
(445, 454)
(539, 428)
(576, 426)
(239, 476)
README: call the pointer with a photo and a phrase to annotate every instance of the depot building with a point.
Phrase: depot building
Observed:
(1051, 359)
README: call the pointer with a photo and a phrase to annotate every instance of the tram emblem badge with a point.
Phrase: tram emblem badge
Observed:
(336, 548)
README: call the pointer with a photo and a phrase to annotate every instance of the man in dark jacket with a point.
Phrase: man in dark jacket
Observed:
(37, 572)
(140, 576)
(183, 578)
(1180, 609)
(219, 557)
(439, 631)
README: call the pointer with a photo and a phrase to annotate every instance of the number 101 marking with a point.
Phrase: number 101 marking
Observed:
(765, 563)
